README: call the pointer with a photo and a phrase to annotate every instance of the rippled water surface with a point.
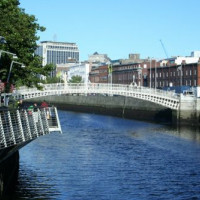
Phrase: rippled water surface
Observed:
(101, 157)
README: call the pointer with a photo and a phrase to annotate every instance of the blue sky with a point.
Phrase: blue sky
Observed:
(120, 27)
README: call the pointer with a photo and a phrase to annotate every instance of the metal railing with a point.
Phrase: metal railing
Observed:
(20, 126)
(166, 98)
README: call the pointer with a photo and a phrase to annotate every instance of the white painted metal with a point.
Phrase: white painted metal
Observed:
(18, 126)
(11, 128)
(3, 138)
(168, 99)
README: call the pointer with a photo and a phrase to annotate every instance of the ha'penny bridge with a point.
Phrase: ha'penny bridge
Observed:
(167, 99)
(185, 108)
(18, 127)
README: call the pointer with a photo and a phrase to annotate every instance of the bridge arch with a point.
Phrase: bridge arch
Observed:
(167, 99)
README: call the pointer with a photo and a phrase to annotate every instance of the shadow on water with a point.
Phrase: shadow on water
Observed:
(26, 187)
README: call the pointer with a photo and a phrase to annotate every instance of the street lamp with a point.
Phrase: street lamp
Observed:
(8, 78)
(150, 73)
(180, 69)
(11, 66)
(2, 40)
(110, 72)
(155, 75)
(139, 70)
(7, 52)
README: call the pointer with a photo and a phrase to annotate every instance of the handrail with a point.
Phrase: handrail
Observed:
(19, 126)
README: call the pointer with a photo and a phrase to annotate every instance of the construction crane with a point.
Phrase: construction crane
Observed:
(164, 48)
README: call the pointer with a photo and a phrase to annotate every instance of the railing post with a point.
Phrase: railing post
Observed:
(2, 132)
(11, 127)
(20, 126)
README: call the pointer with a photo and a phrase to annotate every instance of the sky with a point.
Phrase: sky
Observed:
(120, 27)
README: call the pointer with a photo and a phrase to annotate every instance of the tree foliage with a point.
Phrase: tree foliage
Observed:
(20, 32)
(76, 79)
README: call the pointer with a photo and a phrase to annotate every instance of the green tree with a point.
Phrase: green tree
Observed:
(20, 32)
(76, 79)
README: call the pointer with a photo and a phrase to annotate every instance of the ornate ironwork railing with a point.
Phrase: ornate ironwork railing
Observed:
(168, 99)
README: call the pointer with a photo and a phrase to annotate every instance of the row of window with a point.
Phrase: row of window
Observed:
(61, 57)
(62, 47)
(175, 83)
(174, 73)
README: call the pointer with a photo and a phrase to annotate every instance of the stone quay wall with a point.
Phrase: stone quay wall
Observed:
(131, 108)
(119, 106)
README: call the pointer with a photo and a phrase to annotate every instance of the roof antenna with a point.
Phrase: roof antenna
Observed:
(55, 38)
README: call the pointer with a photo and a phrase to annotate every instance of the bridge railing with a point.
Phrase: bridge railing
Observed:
(165, 98)
(108, 88)
(20, 126)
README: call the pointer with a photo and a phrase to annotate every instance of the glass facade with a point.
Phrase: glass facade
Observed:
(58, 52)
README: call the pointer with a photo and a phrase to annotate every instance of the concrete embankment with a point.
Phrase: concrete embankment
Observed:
(119, 106)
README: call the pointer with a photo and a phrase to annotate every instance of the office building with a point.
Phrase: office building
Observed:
(57, 52)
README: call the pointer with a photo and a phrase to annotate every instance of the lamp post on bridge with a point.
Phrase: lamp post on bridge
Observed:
(110, 72)
(150, 74)
(181, 72)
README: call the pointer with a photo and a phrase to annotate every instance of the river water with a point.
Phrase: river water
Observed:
(101, 157)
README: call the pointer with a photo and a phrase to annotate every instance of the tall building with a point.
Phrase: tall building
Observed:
(58, 52)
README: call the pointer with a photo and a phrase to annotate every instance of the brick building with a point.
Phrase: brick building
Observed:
(172, 72)
(99, 74)
(175, 75)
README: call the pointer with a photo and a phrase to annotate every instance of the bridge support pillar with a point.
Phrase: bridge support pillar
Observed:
(188, 113)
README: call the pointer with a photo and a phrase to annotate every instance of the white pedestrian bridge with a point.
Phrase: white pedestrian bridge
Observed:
(167, 99)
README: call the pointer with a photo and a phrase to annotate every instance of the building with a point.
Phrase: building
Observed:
(132, 73)
(185, 74)
(99, 74)
(176, 72)
(98, 58)
(57, 52)
(81, 69)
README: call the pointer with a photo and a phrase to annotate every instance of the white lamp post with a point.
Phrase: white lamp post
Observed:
(150, 73)
(11, 66)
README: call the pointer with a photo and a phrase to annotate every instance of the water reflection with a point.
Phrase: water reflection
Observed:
(33, 184)
(102, 157)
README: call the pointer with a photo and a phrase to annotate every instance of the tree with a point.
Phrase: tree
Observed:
(76, 79)
(20, 32)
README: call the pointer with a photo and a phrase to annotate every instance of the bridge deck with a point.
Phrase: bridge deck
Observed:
(168, 99)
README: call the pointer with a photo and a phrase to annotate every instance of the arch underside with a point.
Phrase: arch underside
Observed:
(167, 102)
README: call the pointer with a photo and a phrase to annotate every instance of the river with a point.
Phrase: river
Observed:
(101, 158)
